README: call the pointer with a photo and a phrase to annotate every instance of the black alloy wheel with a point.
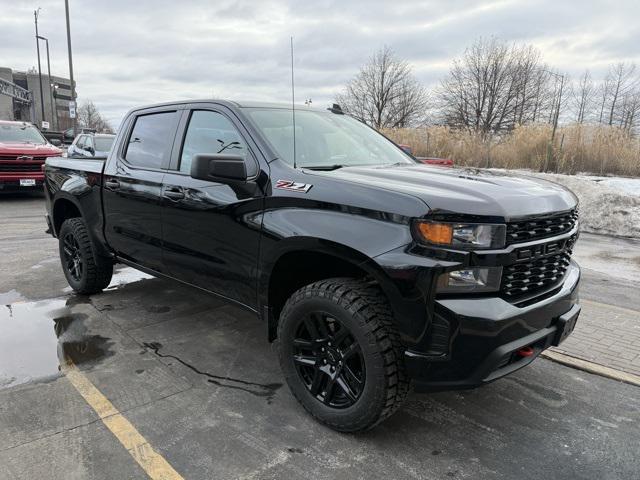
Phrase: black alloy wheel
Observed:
(341, 354)
(329, 360)
(73, 257)
(85, 270)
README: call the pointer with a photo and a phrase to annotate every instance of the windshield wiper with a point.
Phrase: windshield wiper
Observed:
(324, 168)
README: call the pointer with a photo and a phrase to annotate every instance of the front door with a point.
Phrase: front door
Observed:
(211, 231)
(133, 185)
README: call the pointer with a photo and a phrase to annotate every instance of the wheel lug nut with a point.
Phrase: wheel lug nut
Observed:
(324, 361)
(329, 343)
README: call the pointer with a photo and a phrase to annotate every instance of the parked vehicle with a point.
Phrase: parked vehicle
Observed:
(372, 272)
(91, 145)
(442, 162)
(23, 151)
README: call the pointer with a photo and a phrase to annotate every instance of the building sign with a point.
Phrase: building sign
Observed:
(72, 109)
(45, 125)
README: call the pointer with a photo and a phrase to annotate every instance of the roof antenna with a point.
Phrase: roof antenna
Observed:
(293, 107)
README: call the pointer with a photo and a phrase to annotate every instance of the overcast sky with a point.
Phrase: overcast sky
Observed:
(133, 52)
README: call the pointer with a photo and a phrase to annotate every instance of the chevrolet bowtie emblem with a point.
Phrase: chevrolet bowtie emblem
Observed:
(24, 157)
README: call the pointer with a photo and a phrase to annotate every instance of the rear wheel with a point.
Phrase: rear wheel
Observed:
(85, 271)
(341, 354)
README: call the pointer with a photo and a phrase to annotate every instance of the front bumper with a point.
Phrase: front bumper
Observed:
(481, 337)
(11, 182)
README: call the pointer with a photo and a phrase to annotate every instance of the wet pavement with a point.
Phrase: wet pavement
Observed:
(198, 380)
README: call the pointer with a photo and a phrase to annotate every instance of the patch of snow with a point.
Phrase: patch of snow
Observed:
(126, 275)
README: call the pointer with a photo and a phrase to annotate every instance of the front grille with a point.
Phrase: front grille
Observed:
(20, 167)
(526, 278)
(541, 227)
(14, 158)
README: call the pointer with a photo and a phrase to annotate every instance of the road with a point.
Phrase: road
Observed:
(182, 378)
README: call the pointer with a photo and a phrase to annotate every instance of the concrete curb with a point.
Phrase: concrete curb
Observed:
(591, 367)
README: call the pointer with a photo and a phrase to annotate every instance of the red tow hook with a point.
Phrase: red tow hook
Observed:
(525, 351)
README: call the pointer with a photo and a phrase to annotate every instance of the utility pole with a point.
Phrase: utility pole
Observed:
(35, 15)
(53, 112)
(73, 85)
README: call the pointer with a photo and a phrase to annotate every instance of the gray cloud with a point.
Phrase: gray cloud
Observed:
(130, 53)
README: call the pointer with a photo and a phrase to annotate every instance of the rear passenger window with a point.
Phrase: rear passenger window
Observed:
(151, 139)
(211, 132)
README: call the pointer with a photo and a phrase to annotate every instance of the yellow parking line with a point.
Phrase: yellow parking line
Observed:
(138, 447)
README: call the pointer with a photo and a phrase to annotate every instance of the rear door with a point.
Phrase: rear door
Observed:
(211, 231)
(133, 185)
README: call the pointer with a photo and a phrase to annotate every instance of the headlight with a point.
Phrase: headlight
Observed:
(465, 236)
(477, 280)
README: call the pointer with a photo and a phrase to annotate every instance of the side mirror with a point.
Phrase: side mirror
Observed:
(219, 167)
(55, 142)
(90, 150)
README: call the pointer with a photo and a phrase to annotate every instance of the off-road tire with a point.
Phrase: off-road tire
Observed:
(363, 308)
(97, 270)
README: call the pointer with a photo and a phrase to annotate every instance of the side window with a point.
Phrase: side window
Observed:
(80, 142)
(151, 139)
(211, 132)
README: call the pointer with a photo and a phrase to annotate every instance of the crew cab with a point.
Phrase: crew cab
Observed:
(373, 273)
(23, 150)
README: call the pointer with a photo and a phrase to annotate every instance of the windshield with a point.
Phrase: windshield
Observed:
(21, 133)
(325, 139)
(103, 144)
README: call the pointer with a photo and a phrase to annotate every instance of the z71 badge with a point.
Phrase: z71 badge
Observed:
(293, 186)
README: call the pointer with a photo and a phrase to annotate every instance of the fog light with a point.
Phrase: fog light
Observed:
(477, 279)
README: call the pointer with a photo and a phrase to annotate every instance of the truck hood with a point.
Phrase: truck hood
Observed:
(465, 190)
(17, 148)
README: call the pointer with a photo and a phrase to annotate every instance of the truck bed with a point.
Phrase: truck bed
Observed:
(88, 165)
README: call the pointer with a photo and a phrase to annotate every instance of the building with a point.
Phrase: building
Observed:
(56, 95)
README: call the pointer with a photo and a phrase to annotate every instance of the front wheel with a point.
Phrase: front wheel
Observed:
(341, 354)
(86, 271)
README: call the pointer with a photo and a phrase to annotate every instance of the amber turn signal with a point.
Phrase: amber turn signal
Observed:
(438, 233)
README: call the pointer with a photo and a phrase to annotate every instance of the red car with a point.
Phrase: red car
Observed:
(442, 162)
(23, 151)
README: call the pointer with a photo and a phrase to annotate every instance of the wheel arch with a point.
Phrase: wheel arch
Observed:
(63, 209)
(303, 261)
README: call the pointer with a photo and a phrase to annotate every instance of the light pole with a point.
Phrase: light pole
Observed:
(53, 115)
(54, 93)
(73, 85)
(35, 15)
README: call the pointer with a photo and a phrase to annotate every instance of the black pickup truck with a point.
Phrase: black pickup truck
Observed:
(373, 272)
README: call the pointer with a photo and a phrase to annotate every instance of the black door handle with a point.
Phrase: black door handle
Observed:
(112, 184)
(174, 193)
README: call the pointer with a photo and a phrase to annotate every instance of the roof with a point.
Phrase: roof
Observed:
(99, 134)
(230, 103)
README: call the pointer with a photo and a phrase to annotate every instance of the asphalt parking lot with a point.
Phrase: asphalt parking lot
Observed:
(197, 380)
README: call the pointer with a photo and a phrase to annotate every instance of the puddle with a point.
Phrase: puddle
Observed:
(10, 297)
(37, 336)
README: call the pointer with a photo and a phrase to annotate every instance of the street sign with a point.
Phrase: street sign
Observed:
(72, 109)
(45, 125)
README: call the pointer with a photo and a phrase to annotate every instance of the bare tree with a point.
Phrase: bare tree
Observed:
(495, 86)
(621, 79)
(385, 93)
(90, 117)
(582, 97)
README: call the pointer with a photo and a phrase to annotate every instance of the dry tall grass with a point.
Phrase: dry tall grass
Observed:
(595, 149)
